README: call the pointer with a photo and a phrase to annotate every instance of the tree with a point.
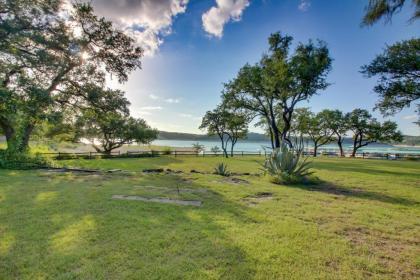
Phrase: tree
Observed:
(216, 123)
(279, 82)
(398, 69)
(335, 120)
(378, 9)
(367, 130)
(107, 121)
(237, 127)
(49, 56)
(115, 130)
(313, 125)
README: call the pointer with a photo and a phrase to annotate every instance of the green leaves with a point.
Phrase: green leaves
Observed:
(398, 70)
(286, 164)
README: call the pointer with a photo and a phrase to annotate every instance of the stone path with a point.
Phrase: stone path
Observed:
(159, 200)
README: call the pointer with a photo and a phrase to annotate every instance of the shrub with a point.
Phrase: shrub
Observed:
(23, 161)
(167, 150)
(197, 147)
(215, 150)
(222, 170)
(287, 165)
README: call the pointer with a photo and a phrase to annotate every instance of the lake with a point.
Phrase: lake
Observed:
(249, 146)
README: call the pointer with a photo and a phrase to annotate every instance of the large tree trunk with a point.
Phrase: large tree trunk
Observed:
(340, 145)
(315, 148)
(353, 154)
(287, 117)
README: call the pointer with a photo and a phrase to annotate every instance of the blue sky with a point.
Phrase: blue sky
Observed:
(182, 77)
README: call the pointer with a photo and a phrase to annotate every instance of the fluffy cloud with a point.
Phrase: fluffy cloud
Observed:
(225, 10)
(304, 5)
(147, 20)
(410, 117)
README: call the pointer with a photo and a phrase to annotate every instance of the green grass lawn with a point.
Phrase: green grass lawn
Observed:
(361, 222)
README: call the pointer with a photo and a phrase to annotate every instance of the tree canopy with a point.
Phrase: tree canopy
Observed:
(278, 82)
(367, 130)
(398, 70)
(50, 55)
(378, 9)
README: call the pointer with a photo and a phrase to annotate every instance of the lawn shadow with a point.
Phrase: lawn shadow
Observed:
(361, 167)
(82, 233)
(329, 188)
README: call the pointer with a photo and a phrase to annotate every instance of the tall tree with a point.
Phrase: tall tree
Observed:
(48, 56)
(107, 120)
(398, 69)
(367, 130)
(279, 82)
(336, 121)
(377, 9)
(216, 123)
(237, 127)
(315, 126)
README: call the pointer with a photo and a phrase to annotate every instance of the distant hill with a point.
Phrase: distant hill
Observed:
(256, 137)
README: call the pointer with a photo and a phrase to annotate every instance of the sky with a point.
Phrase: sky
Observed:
(192, 47)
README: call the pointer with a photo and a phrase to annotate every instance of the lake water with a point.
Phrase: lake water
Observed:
(248, 146)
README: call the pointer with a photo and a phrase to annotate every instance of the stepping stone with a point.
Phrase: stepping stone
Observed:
(160, 200)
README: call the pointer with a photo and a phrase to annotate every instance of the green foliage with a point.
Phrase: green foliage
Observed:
(228, 124)
(367, 130)
(273, 87)
(216, 150)
(167, 150)
(222, 170)
(43, 65)
(23, 161)
(378, 9)
(315, 126)
(398, 70)
(287, 165)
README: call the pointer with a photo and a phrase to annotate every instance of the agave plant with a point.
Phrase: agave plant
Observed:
(221, 169)
(287, 165)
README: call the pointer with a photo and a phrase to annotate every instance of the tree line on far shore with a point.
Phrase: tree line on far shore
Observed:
(273, 90)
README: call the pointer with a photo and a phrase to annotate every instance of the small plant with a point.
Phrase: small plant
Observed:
(167, 151)
(197, 147)
(23, 161)
(287, 165)
(215, 150)
(222, 170)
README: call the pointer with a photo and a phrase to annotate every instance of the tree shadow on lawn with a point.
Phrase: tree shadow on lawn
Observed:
(362, 167)
(326, 187)
(130, 164)
(80, 232)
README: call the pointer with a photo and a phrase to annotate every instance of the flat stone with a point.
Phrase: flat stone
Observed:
(174, 189)
(159, 200)
(153, 170)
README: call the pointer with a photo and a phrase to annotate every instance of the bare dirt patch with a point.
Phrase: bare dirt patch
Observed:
(159, 200)
(257, 198)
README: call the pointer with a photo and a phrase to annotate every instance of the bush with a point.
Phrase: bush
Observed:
(167, 151)
(222, 170)
(216, 150)
(23, 161)
(287, 165)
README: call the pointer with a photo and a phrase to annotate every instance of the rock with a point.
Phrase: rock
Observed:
(155, 170)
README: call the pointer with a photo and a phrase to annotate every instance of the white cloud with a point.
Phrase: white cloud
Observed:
(189, 116)
(216, 17)
(147, 20)
(410, 117)
(151, 108)
(304, 5)
(154, 97)
(172, 100)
